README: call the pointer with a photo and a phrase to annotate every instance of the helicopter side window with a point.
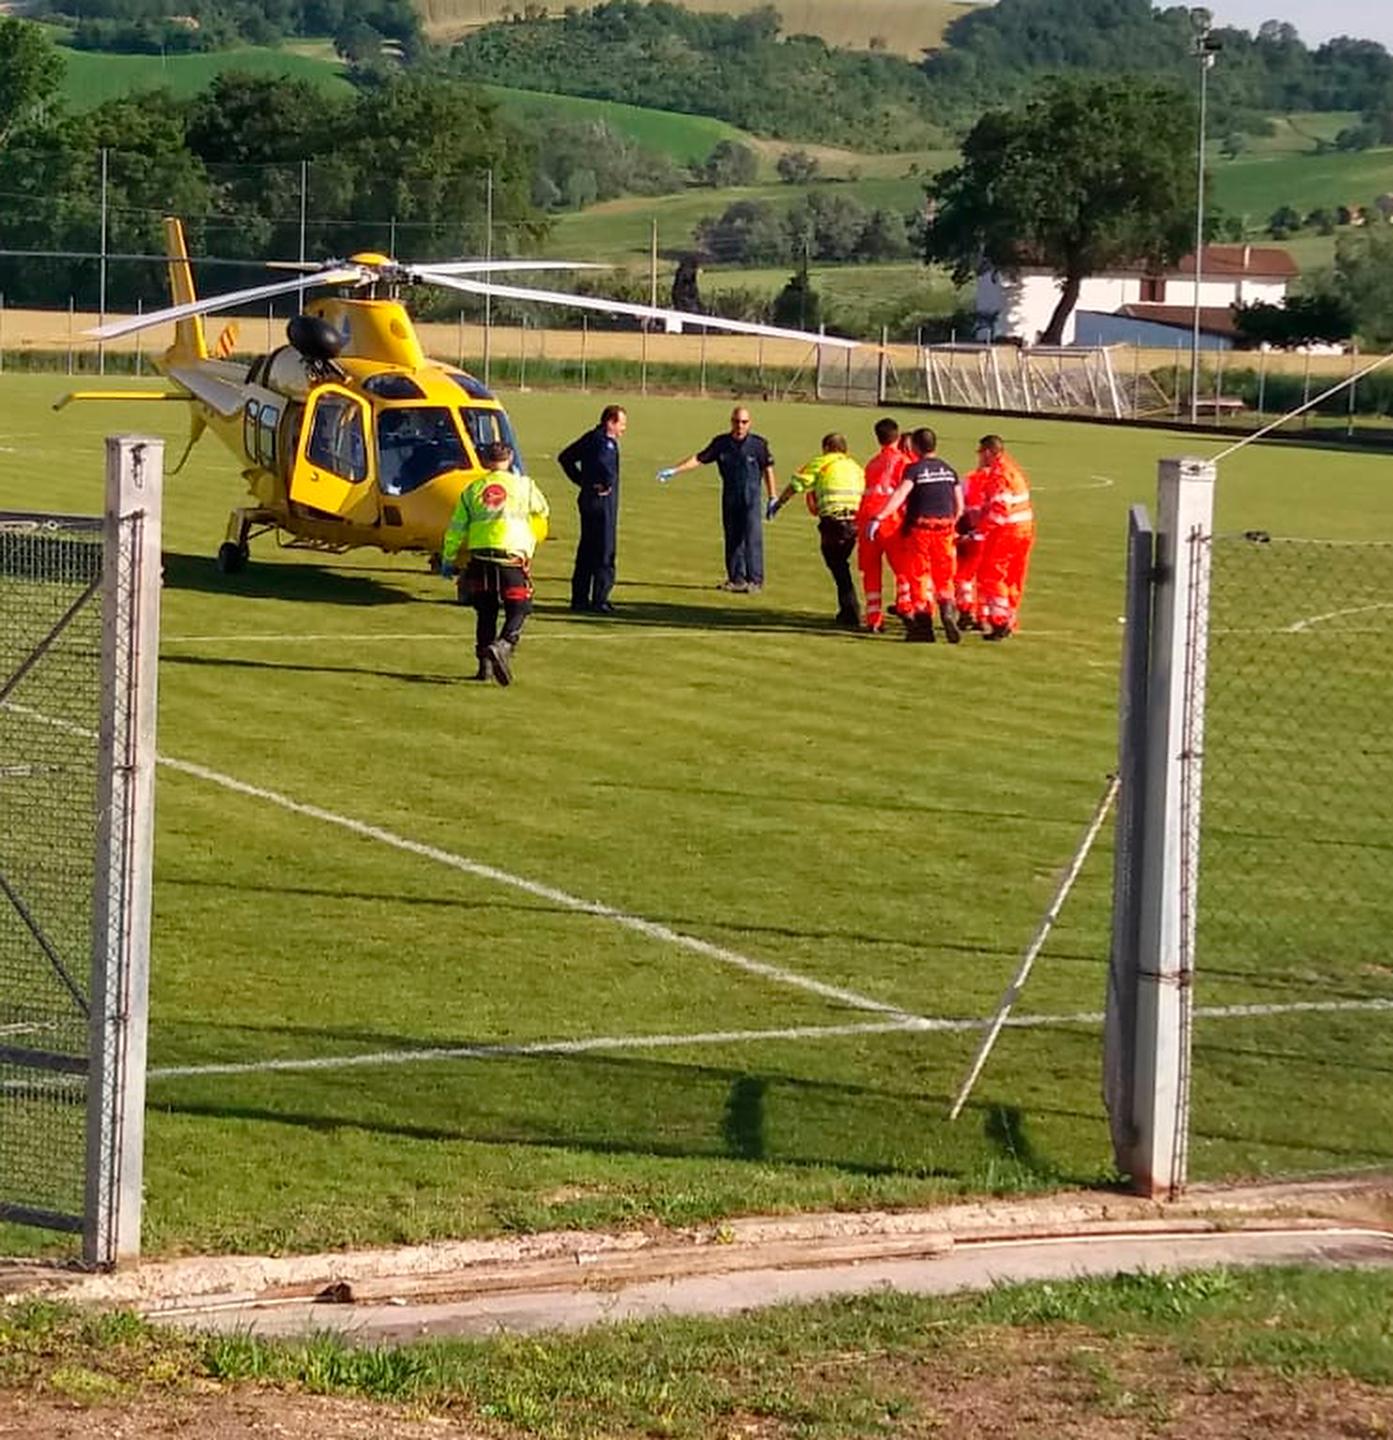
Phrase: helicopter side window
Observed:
(266, 434)
(414, 445)
(336, 438)
(486, 427)
(249, 424)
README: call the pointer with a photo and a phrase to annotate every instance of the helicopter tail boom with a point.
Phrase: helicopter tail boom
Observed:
(190, 343)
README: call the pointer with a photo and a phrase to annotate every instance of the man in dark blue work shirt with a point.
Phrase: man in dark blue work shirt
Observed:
(592, 464)
(744, 462)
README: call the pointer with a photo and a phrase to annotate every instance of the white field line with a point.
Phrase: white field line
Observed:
(911, 1024)
(1094, 482)
(651, 929)
(1335, 615)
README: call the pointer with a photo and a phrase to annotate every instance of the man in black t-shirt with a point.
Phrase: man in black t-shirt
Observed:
(744, 463)
(932, 496)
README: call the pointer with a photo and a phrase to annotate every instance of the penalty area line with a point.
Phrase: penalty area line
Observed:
(909, 1025)
(650, 929)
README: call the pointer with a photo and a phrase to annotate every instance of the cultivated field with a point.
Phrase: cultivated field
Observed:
(906, 27)
(90, 78)
(696, 917)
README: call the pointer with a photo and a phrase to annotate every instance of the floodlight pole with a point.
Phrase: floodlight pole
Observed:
(101, 298)
(488, 255)
(1205, 48)
(304, 200)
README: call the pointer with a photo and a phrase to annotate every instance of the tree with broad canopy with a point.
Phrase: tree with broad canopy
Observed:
(1085, 176)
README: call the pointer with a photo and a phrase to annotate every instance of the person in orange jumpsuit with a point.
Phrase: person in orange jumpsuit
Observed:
(1008, 530)
(932, 496)
(883, 472)
(969, 550)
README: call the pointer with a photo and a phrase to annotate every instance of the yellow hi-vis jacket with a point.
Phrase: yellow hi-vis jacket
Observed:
(836, 482)
(499, 515)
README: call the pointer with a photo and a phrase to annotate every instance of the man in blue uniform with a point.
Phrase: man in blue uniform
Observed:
(591, 463)
(744, 463)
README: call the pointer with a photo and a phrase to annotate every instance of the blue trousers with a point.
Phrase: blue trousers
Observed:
(742, 519)
(593, 576)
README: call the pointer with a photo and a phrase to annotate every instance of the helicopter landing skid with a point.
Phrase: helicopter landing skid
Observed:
(243, 526)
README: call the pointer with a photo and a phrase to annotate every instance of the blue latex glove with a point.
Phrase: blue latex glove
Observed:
(447, 571)
(665, 475)
(771, 509)
(872, 530)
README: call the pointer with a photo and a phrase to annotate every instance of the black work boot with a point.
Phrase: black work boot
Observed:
(500, 653)
(485, 670)
(948, 613)
(919, 629)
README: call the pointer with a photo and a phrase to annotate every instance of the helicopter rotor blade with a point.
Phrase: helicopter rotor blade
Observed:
(488, 267)
(343, 274)
(642, 312)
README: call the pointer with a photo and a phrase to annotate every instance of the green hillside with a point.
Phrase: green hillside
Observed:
(684, 137)
(93, 77)
(1253, 186)
(620, 230)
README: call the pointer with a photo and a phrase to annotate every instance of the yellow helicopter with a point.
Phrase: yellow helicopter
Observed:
(348, 435)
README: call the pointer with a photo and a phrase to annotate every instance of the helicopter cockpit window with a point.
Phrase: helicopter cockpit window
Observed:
(336, 438)
(392, 386)
(415, 445)
(475, 389)
(488, 426)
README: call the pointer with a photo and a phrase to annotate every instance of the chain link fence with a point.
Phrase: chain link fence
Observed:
(50, 706)
(1293, 1017)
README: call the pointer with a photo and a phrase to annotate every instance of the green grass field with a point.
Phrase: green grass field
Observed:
(885, 819)
(92, 78)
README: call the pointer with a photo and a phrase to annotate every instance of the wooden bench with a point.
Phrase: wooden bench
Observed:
(1221, 405)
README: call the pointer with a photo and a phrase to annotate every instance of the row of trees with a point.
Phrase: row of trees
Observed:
(736, 68)
(1353, 297)
(821, 226)
(1002, 50)
(409, 154)
(183, 26)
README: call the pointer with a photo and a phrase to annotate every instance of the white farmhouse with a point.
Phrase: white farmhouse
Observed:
(1133, 304)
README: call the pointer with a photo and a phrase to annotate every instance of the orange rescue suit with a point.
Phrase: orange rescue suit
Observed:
(970, 536)
(883, 471)
(1008, 533)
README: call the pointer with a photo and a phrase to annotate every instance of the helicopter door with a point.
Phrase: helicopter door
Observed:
(333, 471)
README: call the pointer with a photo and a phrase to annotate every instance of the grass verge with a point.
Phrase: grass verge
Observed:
(1095, 1353)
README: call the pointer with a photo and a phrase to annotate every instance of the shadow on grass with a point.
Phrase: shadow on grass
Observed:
(691, 924)
(318, 583)
(820, 799)
(219, 662)
(754, 619)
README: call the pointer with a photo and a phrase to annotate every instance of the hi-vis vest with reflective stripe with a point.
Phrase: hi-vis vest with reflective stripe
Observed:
(836, 482)
(1007, 493)
(501, 512)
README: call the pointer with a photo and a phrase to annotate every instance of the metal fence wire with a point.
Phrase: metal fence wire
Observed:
(50, 705)
(1293, 1018)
